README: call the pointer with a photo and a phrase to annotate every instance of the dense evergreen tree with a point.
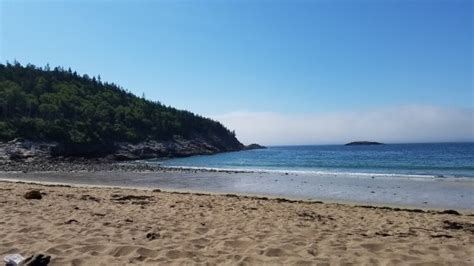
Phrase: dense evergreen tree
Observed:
(60, 105)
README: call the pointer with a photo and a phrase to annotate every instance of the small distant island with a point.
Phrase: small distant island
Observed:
(357, 143)
(254, 146)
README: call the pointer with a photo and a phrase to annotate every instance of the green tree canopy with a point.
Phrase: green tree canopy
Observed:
(60, 105)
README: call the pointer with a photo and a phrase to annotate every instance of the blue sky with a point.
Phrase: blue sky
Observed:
(291, 58)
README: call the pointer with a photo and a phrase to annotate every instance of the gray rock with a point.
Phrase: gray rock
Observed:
(254, 146)
(33, 194)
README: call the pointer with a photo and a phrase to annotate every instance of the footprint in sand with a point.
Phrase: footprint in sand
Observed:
(250, 260)
(91, 248)
(145, 252)
(274, 252)
(233, 257)
(237, 244)
(176, 254)
(122, 251)
(59, 249)
(24, 230)
(202, 230)
(304, 263)
(200, 241)
(373, 247)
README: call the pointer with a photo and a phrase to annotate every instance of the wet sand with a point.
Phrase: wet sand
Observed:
(431, 193)
(117, 226)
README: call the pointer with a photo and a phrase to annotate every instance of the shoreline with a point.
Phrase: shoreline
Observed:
(318, 172)
(393, 207)
(96, 165)
(120, 226)
(423, 193)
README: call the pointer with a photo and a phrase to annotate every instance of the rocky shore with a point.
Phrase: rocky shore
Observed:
(25, 156)
(37, 157)
(20, 149)
(74, 165)
(94, 165)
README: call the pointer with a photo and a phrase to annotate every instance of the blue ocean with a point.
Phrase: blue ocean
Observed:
(427, 159)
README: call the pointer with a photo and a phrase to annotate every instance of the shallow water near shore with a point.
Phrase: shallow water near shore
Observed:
(394, 191)
(416, 175)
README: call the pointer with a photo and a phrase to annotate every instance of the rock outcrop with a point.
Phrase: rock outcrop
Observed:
(25, 150)
(355, 143)
(20, 149)
(168, 149)
(254, 146)
(33, 194)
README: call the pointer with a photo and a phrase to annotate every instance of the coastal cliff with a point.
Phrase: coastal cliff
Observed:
(34, 150)
(48, 112)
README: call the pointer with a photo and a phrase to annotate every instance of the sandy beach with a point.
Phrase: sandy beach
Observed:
(117, 226)
(236, 133)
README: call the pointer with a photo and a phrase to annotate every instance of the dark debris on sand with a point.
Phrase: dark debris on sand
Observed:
(33, 194)
(450, 225)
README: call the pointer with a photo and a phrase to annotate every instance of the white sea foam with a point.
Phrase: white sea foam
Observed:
(318, 172)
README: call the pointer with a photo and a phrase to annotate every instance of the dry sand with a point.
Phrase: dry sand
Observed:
(114, 226)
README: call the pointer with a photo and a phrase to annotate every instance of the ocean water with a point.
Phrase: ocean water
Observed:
(431, 160)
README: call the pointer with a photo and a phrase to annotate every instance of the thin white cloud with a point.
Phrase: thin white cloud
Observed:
(412, 123)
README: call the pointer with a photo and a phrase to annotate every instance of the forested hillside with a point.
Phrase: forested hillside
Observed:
(60, 105)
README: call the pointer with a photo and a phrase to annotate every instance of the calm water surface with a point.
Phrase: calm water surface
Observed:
(430, 160)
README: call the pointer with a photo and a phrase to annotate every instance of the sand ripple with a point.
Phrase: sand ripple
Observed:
(108, 226)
